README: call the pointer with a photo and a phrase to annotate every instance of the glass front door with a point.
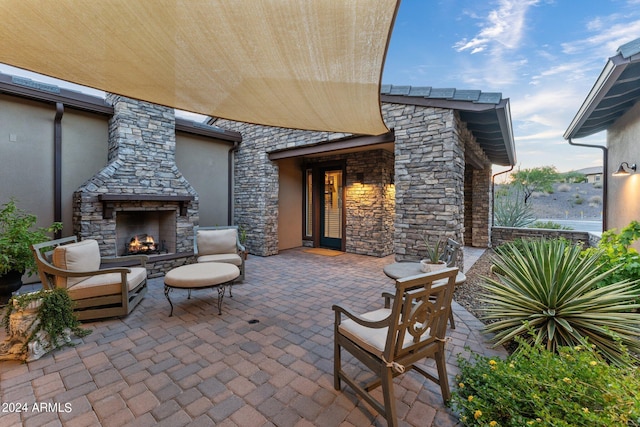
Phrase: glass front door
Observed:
(331, 209)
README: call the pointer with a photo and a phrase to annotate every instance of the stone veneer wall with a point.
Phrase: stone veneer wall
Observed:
(255, 205)
(368, 224)
(429, 165)
(370, 205)
(141, 162)
(478, 187)
(500, 235)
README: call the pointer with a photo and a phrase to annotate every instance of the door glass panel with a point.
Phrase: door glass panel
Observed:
(332, 204)
(308, 217)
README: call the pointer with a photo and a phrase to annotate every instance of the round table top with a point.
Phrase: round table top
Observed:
(398, 270)
(201, 275)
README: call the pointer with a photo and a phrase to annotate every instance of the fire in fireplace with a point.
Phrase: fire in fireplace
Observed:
(143, 244)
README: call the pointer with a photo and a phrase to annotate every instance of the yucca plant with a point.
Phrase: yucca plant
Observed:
(548, 288)
(511, 211)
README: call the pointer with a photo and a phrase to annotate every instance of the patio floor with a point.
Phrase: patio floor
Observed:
(198, 368)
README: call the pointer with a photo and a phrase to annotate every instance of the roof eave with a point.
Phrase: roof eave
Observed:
(608, 77)
(503, 112)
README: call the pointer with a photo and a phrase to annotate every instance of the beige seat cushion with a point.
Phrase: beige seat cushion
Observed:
(79, 256)
(201, 275)
(232, 258)
(106, 284)
(212, 242)
(373, 340)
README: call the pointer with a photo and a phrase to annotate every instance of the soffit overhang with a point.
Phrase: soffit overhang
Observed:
(615, 92)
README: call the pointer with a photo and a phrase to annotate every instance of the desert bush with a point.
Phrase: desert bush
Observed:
(563, 187)
(550, 287)
(541, 388)
(597, 185)
(550, 225)
(595, 200)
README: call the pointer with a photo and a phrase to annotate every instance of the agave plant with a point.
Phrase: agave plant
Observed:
(547, 293)
(511, 211)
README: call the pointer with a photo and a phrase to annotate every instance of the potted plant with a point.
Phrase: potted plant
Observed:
(434, 252)
(16, 236)
(242, 236)
(38, 322)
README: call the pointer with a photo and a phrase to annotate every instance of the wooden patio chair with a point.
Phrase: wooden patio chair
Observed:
(450, 257)
(97, 293)
(390, 341)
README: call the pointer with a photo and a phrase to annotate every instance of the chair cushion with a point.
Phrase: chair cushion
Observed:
(233, 258)
(106, 284)
(373, 339)
(79, 256)
(217, 241)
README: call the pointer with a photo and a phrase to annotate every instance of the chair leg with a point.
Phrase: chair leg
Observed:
(337, 364)
(441, 364)
(451, 322)
(386, 377)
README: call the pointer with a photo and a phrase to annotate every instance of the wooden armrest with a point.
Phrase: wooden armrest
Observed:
(358, 319)
(66, 273)
(388, 296)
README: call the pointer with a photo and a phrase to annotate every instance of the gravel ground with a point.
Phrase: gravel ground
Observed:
(568, 201)
(469, 294)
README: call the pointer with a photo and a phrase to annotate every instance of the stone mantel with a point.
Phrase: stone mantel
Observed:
(108, 200)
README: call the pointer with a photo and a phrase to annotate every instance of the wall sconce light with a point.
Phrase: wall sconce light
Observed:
(622, 170)
(359, 178)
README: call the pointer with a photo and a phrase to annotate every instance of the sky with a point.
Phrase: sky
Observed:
(544, 55)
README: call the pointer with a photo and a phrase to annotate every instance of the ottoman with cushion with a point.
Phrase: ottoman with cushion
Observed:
(200, 276)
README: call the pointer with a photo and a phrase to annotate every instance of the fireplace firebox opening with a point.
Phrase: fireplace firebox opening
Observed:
(145, 232)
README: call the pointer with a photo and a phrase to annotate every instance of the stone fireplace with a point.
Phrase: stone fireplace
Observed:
(140, 191)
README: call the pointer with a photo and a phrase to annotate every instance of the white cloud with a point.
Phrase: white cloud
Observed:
(503, 29)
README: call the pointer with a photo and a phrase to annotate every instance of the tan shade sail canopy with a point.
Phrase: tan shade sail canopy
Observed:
(306, 64)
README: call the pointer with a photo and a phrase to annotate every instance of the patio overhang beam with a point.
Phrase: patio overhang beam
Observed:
(203, 129)
(330, 147)
(52, 94)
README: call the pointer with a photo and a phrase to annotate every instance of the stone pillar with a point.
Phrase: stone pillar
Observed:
(482, 210)
(429, 177)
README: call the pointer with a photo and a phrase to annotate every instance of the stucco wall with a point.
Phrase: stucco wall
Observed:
(27, 149)
(26, 164)
(289, 204)
(204, 164)
(623, 140)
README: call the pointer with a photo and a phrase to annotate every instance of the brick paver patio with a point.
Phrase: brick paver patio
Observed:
(198, 368)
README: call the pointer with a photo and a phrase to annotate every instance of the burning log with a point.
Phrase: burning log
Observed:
(143, 244)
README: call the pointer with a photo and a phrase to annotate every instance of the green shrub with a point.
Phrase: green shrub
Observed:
(548, 286)
(540, 388)
(549, 225)
(617, 254)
